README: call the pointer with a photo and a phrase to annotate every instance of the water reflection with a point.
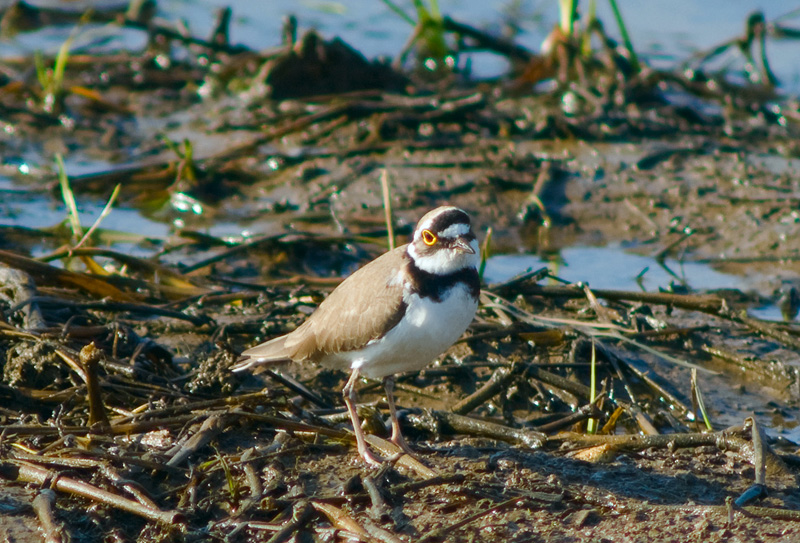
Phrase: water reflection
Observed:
(612, 267)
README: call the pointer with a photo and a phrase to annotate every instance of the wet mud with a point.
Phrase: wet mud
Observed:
(565, 413)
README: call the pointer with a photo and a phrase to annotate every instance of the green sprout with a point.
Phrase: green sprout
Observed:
(73, 217)
(69, 200)
(428, 36)
(485, 252)
(51, 79)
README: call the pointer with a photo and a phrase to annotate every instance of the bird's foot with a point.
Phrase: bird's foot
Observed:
(369, 457)
(398, 439)
(392, 453)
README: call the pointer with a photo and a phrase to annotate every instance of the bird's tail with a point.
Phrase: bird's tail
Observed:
(271, 353)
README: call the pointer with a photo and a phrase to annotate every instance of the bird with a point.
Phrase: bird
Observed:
(395, 314)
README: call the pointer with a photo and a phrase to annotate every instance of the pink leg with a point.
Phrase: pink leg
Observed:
(397, 436)
(349, 394)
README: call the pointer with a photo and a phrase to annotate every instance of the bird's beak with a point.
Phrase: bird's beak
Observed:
(463, 246)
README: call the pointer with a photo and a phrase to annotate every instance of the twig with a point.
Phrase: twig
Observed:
(378, 508)
(671, 399)
(722, 510)
(396, 490)
(439, 533)
(211, 428)
(487, 41)
(576, 389)
(138, 427)
(301, 514)
(759, 452)
(261, 397)
(160, 30)
(340, 519)
(499, 379)
(725, 439)
(581, 414)
(387, 207)
(132, 487)
(90, 357)
(532, 276)
(43, 504)
(296, 386)
(440, 422)
(60, 277)
(28, 473)
(706, 303)
(759, 487)
(769, 330)
(391, 450)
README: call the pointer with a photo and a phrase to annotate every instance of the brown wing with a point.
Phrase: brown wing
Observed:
(365, 306)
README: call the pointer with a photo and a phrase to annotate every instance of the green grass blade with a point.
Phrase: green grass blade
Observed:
(700, 403)
(61, 64)
(41, 70)
(402, 14)
(590, 425)
(626, 39)
(485, 251)
(69, 199)
(434, 10)
(586, 40)
(103, 214)
(568, 10)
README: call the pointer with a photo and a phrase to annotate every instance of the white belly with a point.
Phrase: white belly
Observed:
(426, 331)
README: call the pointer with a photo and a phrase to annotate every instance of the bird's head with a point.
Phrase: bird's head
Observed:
(444, 242)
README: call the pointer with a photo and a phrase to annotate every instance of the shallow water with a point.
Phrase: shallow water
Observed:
(609, 267)
(665, 32)
(612, 267)
(731, 395)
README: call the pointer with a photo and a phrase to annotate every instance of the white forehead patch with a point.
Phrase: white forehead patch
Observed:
(428, 222)
(455, 230)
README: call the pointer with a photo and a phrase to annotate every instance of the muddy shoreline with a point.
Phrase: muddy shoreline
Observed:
(117, 349)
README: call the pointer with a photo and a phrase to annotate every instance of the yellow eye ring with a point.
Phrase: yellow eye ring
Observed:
(428, 237)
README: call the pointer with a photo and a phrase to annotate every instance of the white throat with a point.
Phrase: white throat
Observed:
(446, 261)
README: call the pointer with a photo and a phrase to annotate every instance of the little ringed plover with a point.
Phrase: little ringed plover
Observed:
(395, 314)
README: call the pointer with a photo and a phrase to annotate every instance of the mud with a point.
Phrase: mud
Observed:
(269, 199)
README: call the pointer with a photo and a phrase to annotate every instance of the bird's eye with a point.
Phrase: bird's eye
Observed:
(428, 237)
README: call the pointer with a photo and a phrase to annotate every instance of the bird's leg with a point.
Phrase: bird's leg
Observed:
(349, 393)
(397, 435)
